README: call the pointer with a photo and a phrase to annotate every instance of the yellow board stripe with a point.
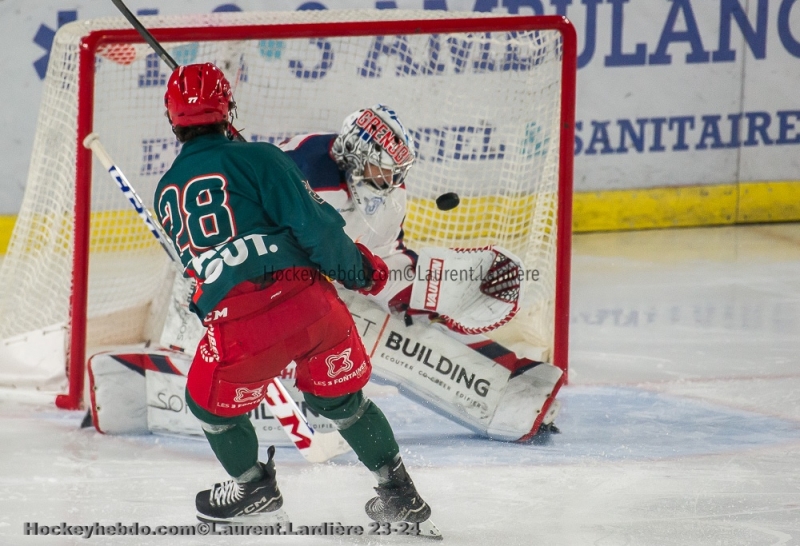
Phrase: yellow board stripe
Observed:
(744, 203)
(112, 230)
(6, 227)
(120, 229)
(508, 216)
(769, 201)
(654, 208)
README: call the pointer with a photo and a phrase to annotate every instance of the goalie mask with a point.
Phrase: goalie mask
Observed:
(373, 148)
(198, 94)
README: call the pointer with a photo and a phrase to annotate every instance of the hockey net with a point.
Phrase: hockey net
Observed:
(489, 102)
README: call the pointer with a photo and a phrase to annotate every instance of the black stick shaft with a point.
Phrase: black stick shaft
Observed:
(157, 47)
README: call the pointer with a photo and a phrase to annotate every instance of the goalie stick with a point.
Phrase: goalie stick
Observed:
(316, 448)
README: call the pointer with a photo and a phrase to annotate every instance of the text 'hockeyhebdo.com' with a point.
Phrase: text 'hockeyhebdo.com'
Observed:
(467, 274)
(220, 529)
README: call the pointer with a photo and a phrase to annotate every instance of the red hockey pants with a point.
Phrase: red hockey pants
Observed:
(256, 332)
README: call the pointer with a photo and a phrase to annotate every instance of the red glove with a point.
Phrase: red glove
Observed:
(376, 270)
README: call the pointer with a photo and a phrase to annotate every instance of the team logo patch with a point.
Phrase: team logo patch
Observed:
(245, 395)
(339, 364)
(314, 195)
(372, 205)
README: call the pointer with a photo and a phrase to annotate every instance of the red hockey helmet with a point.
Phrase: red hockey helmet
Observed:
(197, 94)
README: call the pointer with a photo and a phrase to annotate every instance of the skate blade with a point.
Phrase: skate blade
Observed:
(428, 530)
(263, 518)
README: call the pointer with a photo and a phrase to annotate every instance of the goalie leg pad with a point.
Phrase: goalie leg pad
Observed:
(527, 402)
(118, 394)
(118, 388)
(460, 382)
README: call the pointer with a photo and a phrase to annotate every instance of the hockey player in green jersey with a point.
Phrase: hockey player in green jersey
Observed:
(261, 246)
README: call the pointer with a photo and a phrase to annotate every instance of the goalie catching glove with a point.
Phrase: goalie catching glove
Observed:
(375, 270)
(473, 290)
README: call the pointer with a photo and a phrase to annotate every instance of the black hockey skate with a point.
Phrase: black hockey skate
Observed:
(232, 502)
(398, 501)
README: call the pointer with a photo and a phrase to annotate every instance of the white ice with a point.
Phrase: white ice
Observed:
(680, 426)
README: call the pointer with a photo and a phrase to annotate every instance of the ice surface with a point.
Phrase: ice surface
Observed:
(681, 424)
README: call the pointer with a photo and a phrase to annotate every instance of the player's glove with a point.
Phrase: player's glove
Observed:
(375, 270)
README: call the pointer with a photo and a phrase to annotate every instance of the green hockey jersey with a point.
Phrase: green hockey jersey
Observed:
(239, 210)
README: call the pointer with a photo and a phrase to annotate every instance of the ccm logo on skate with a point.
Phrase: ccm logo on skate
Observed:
(434, 284)
(257, 506)
(338, 364)
(245, 395)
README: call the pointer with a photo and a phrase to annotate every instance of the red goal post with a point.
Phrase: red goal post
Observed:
(509, 156)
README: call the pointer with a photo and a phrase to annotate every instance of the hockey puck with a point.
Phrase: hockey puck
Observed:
(447, 201)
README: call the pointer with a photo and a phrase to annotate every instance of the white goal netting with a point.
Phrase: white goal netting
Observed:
(483, 110)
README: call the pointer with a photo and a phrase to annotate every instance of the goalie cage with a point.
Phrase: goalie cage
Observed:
(489, 102)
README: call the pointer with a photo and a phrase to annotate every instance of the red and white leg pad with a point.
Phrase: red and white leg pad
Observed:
(139, 391)
(527, 402)
(118, 388)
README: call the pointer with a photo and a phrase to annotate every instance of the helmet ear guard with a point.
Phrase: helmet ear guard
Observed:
(374, 136)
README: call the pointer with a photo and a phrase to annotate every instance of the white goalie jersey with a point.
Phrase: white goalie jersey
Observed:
(471, 291)
(374, 220)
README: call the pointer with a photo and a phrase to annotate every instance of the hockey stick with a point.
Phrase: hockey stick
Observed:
(157, 47)
(316, 448)
(92, 141)
(161, 52)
